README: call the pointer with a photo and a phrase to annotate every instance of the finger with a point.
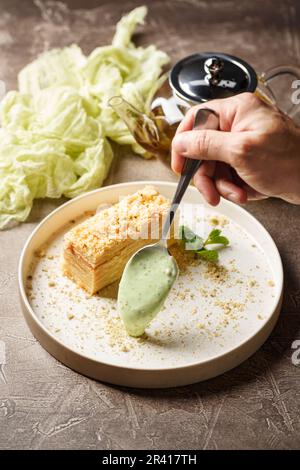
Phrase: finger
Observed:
(203, 181)
(230, 191)
(226, 108)
(188, 121)
(207, 188)
(207, 167)
(177, 162)
(252, 194)
(226, 187)
(202, 144)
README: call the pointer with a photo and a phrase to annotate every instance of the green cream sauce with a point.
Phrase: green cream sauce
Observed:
(145, 284)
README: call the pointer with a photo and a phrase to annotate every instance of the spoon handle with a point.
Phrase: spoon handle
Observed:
(205, 118)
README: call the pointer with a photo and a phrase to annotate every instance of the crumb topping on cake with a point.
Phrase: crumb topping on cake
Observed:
(129, 219)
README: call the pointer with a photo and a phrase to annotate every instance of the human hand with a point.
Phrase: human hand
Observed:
(255, 154)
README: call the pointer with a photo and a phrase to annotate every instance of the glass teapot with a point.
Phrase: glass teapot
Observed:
(195, 79)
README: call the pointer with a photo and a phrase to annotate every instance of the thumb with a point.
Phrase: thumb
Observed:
(203, 145)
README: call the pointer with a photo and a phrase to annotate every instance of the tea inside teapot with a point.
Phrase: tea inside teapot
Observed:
(152, 131)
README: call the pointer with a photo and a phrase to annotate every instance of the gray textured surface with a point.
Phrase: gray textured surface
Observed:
(45, 405)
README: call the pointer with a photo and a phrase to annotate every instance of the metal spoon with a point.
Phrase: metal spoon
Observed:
(136, 320)
(205, 118)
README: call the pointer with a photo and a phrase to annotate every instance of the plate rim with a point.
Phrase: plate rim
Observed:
(196, 363)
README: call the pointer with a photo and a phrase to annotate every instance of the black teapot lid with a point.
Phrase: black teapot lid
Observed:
(209, 75)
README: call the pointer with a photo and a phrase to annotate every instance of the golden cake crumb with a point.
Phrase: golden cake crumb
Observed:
(216, 272)
(219, 220)
(40, 253)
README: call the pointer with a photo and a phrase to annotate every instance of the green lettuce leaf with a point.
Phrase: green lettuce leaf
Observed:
(60, 113)
(29, 171)
(55, 128)
(92, 167)
(57, 67)
(127, 26)
(16, 111)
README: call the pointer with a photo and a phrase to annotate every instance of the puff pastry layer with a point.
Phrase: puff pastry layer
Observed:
(97, 250)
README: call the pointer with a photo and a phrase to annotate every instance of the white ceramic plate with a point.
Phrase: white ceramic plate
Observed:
(213, 320)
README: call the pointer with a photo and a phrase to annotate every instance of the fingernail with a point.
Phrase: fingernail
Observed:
(179, 144)
(175, 171)
(233, 197)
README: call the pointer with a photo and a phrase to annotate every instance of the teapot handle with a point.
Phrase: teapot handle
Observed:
(266, 78)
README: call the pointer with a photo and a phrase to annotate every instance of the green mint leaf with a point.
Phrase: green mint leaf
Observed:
(214, 233)
(186, 234)
(208, 255)
(218, 240)
(195, 244)
(191, 240)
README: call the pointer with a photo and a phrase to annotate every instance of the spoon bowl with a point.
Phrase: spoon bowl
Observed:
(146, 282)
